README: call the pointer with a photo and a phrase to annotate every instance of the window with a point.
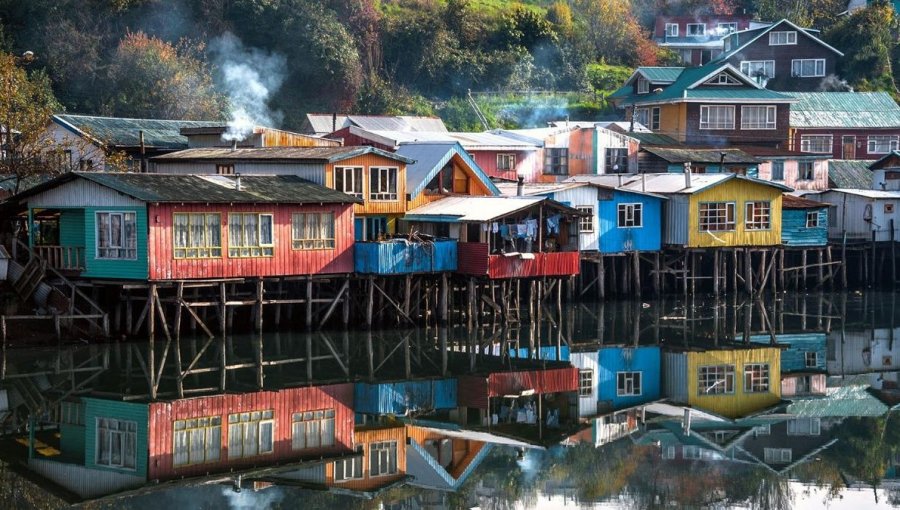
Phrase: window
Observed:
(586, 223)
(71, 413)
(383, 458)
(648, 117)
(197, 441)
(804, 427)
(349, 180)
(116, 443)
(630, 215)
(812, 221)
(716, 216)
(782, 38)
(888, 208)
(808, 67)
(643, 86)
(762, 430)
(628, 384)
(312, 231)
(696, 29)
(668, 452)
(671, 29)
(757, 117)
(116, 235)
(350, 468)
(225, 169)
(716, 379)
(250, 235)
(815, 143)
(556, 161)
(727, 28)
(690, 452)
(883, 144)
(616, 160)
(383, 183)
(717, 117)
(197, 235)
(312, 429)
(806, 170)
(778, 455)
(585, 383)
(778, 170)
(250, 434)
(758, 68)
(506, 161)
(758, 215)
(723, 79)
(756, 378)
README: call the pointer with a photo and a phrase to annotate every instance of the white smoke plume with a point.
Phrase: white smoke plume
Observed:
(249, 76)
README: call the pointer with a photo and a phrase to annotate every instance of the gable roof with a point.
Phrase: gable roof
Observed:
(687, 87)
(791, 202)
(479, 209)
(848, 400)
(510, 189)
(755, 34)
(279, 154)
(430, 158)
(469, 141)
(166, 188)
(879, 163)
(674, 183)
(844, 110)
(122, 132)
(695, 155)
(849, 174)
(327, 122)
(654, 139)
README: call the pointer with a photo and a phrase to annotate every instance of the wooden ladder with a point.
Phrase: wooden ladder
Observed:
(31, 278)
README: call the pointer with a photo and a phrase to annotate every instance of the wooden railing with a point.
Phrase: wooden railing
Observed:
(62, 258)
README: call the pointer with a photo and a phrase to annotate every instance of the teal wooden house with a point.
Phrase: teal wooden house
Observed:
(804, 222)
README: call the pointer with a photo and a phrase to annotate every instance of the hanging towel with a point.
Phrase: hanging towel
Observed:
(504, 231)
(531, 227)
(484, 227)
(522, 229)
(553, 224)
(494, 227)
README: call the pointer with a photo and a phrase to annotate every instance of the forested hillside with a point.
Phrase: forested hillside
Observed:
(199, 59)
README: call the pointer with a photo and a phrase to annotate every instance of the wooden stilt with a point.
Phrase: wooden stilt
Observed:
(636, 260)
(309, 303)
(716, 273)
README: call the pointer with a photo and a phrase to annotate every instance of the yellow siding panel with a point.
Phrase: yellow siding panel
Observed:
(673, 120)
(740, 192)
(366, 437)
(366, 161)
(475, 187)
(740, 403)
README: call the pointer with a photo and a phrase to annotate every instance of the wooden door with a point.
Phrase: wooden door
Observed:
(848, 144)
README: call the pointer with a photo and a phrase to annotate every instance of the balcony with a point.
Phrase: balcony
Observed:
(475, 260)
(66, 259)
(401, 256)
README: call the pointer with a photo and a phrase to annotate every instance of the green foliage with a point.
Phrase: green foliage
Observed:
(867, 42)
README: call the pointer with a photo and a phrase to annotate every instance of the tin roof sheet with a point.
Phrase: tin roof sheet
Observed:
(474, 209)
(123, 132)
(844, 110)
(329, 154)
(868, 193)
(324, 122)
(696, 155)
(792, 202)
(850, 400)
(430, 158)
(850, 173)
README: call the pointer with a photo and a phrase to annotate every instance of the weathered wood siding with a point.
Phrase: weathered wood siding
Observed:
(850, 213)
(737, 136)
(373, 207)
(794, 231)
(806, 48)
(792, 175)
(740, 402)
(739, 192)
(528, 163)
(584, 196)
(861, 150)
(94, 409)
(365, 437)
(616, 239)
(285, 261)
(283, 402)
(587, 404)
(131, 269)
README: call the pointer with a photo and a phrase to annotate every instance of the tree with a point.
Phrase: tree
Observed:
(153, 78)
(613, 33)
(866, 40)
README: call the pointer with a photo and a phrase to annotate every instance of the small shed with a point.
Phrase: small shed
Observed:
(862, 214)
(804, 222)
(402, 398)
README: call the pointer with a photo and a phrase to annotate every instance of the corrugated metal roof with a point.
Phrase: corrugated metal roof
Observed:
(324, 122)
(536, 136)
(851, 400)
(792, 202)
(121, 132)
(430, 158)
(844, 110)
(612, 182)
(478, 141)
(473, 209)
(692, 155)
(660, 74)
(329, 154)
(205, 189)
(868, 193)
(850, 173)
(511, 189)
(670, 183)
(649, 138)
(755, 94)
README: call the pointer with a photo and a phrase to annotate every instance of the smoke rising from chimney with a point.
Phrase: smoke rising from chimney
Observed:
(249, 77)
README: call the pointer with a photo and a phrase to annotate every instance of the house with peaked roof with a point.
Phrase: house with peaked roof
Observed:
(86, 140)
(862, 214)
(713, 105)
(804, 222)
(696, 39)
(320, 124)
(781, 56)
(845, 125)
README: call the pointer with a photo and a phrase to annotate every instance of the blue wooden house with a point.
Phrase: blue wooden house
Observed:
(803, 364)
(804, 222)
(618, 221)
(401, 398)
(628, 376)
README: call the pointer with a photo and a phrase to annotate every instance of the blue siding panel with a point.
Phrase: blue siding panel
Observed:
(793, 358)
(624, 359)
(401, 257)
(401, 397)
(794, 231)
(546, 352)
(647, 237)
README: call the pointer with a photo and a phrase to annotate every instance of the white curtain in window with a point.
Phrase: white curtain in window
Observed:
(115, 230)
(265, 229)
(181, 230)
(213, 232)
(197, 230)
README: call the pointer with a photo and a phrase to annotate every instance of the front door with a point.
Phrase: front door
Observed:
(848, 143)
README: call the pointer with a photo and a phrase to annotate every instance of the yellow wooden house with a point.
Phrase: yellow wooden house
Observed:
(716, 210)
(732, 382)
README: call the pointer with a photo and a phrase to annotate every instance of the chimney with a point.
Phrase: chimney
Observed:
(520, 187)
(334, 122)
(143, 152)
(643, 182)
(234, 145)
(237, 182)
(687, 174)
(686, 423)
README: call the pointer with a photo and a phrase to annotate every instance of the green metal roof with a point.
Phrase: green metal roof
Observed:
(117, 132)
(844, 110)
(849, 174)
(739, 94)
(660, 74)
(648, 139)
(851, 400)
(288, 189)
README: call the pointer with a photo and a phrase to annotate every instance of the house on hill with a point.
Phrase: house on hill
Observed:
(697, 39)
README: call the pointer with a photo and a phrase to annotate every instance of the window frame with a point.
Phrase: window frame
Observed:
(643, 85)
(802, 167)
(124, 246)
(728, 374)
(208, 436)
(701, 32)
(727, 205)
(812, 221)
(797, 67)
(811, 141)
(586, 223)
(266, 417)
(669, 33)
(375, 450)
(211, 249)
(636, 210)
(585, 382)
(632, 378)
(757, 378)
(872, 141)
(507, 157)
(318, 243)
(357, 179)
(266, 250)
(810, 426)
(102, 424)
(790, 38)
(306, 419)
(718, 125)
(777, 455)
(779, 175)
(751, 221)
(559, 155)
(730, 26)
(815, 359)
(384, 172)
(224, 169)
(354, 461)
(749, 64)
(766, 124)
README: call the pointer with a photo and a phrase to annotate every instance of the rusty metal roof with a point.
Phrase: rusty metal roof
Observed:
(695, 155)
(328, 154)
(792, 202)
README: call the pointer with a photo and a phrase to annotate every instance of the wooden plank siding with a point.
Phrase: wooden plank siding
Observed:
(738, 192)
(94, 410)
(740, 402)
(464, 450)
(372, 207)
(365, 437)
(285, 261)
(528, 163)
(794, 231)
(474, 260)
(283, 402)
(792, 174)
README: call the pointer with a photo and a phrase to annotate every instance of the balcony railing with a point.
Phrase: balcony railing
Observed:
(62, 258)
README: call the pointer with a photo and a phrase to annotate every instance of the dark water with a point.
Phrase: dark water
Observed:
(860, 467)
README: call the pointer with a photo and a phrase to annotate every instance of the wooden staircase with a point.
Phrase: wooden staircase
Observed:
(31, 278)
